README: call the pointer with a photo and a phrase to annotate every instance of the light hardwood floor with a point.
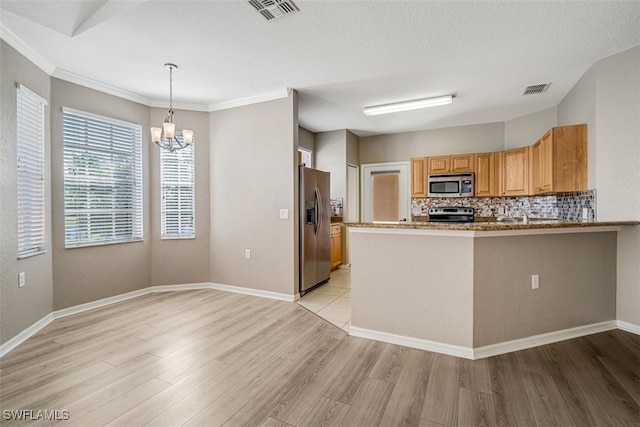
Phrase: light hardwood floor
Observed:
(206, 358)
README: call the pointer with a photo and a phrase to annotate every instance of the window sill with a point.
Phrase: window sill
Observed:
(89, 244)
(31, 254)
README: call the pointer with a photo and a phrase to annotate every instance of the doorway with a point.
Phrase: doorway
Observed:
(385, 195)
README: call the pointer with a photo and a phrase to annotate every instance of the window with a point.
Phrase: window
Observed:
(177, 187)
(102, 180)
(306, 157)
(30, 174)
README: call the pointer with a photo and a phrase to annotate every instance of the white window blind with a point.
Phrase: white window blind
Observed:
(30, 174)
(307, 157)
(102, 180)
(177, 187)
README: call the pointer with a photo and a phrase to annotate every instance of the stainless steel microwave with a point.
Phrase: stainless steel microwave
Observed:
(450, 185)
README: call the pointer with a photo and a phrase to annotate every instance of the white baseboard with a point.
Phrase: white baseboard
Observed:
(31, 330)
(254, 292)
(542, 339)
(494, 349)
(25, 334)
(420, 344)
(629, 327)
(80, 308)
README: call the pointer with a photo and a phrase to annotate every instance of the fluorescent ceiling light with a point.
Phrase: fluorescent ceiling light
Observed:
(408, 105)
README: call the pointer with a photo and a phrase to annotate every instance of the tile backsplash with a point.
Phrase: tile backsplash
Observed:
(336, 207)
(568, 206)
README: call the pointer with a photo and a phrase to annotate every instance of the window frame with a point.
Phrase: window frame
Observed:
(30, 173)
(180, 181)
(85, 141)
(309, 153)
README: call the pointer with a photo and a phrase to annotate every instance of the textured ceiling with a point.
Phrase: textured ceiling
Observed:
(339, 55)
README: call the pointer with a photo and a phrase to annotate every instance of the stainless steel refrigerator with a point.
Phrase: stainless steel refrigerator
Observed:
(315, 219)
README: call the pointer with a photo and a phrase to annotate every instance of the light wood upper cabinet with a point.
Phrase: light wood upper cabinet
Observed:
(486, 175)
(438, 164)
(461, 163)
(514, 172)
(559, 160)
(419, 177)
(450, 164)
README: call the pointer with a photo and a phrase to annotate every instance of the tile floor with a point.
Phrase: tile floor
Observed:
(332, 301)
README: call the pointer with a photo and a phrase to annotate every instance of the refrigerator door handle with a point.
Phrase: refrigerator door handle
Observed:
(317, 201)
(320, 211)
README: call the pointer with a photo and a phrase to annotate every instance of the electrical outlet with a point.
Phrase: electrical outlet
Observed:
(247, 253)
(535, 281)
(22, 280)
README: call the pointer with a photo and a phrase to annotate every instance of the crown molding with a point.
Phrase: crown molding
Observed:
(278, 94)
(164, 103)
(25, 50)
(71, 77)
(18, 44)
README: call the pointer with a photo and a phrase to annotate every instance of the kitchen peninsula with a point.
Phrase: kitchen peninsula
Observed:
(478, 289)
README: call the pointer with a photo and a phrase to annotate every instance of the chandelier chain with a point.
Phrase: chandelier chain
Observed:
(171, 89)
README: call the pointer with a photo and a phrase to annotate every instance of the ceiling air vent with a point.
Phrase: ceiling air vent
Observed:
(536, 89)
(272, 9)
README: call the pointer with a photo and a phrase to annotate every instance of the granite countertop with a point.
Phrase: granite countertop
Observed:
(491, 225)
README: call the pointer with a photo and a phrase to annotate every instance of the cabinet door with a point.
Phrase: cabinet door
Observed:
(419, 177)
(461, 163)
(514, 172)
(439, 164)
(485, 170)
(569, 158)
(542, 164)
(336, 246)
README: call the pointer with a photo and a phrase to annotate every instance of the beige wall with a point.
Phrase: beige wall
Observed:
(253, 171)
(20, 307)
(82, 275)
(413, 285)
(179, 261)
(528, 129)
(577, 284)
(461, 290)
(628, 290)
(456, 140)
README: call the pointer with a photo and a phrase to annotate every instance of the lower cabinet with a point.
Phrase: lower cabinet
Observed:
(336, 246)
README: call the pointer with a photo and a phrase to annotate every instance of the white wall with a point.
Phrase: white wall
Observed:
(331, 156)
(401, 147)
(618, 135)
(528, 129)
(607, 98)
(306, 139)
(579, 106)
(253, 171)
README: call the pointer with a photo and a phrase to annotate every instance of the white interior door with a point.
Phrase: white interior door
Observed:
(385, 195)
(352, 213)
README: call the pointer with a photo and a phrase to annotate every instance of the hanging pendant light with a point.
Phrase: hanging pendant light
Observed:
(168, 137)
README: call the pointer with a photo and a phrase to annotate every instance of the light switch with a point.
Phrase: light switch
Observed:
(284, 213)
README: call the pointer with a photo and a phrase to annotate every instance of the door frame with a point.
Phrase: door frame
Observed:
(365, 178)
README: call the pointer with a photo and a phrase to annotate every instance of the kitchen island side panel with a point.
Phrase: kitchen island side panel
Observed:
(577, 284)
(410, 285)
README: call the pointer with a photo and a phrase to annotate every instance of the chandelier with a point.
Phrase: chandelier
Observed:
(168, 137)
